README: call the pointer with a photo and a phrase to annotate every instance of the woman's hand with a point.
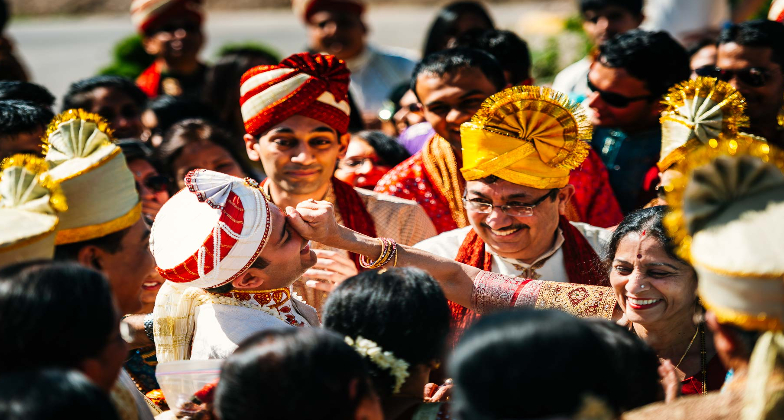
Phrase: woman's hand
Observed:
(315, 221)
(669, 381)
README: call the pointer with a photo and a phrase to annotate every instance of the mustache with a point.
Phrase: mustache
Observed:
(297, 167)
(515, 226)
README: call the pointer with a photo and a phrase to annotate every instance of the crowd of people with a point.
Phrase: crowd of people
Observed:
(355, 232)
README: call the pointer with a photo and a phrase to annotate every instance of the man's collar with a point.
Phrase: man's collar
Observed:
(559, 241)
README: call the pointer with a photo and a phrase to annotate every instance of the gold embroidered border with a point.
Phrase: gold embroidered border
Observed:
(85, 233)
(579, 300)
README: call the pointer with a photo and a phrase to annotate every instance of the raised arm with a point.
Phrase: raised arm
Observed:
(462, 284)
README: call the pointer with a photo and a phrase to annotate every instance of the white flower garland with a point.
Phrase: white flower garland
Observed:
(398, 368)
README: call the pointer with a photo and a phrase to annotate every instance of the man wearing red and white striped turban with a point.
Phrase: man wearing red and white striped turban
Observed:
(172, 33)
(296, 115)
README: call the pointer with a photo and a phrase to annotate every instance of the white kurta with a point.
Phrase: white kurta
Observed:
(448, 244)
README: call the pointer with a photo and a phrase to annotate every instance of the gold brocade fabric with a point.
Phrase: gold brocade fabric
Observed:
(441, 164)
(577, 299)
(526, 135)
(123, 402)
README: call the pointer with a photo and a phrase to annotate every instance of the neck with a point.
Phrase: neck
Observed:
(669, 340)
(284, 199)
(419, 376)
(530, 255)
(183, 67)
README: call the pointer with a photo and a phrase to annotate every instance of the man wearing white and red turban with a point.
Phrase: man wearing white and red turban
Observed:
(296, 115)
(229, 259)
(172, 33)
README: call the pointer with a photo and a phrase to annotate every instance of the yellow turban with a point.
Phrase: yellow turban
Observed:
(695, 112)
(527, 135)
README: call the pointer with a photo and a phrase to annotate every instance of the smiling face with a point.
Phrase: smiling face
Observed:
(361, 167)
(522, 238)
(763, 102)
(178, 40)
(122, 112)
(341, 34)
(299, 155)
(452, 99)
(638, 114)
(652, 288)
(287, 253)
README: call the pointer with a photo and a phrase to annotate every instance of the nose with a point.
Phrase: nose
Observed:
(637, 282)
(456, 116)
(303, 155)
(602, 24)
(180, 33)
(497, 218)
(365, 168)
(330, 29)
(592, 100)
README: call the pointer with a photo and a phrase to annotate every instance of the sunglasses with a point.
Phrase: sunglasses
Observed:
(752, 76)
(616, 100)
(156, 183)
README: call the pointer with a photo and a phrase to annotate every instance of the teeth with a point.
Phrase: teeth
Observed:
(642, 302)
(503, 232)
(151, 284)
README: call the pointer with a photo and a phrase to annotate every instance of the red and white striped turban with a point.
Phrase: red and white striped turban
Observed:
(145, 14)
(311, 85)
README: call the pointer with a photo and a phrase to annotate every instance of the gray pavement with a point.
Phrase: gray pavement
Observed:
(59, 51)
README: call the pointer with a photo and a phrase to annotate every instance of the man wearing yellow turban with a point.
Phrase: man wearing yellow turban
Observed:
(518, 151)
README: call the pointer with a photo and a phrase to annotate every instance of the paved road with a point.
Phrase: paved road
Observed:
(59, 51)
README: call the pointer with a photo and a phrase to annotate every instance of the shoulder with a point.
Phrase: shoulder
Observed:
(308, 312)
(397, 57)
(567, 77)
(446, 244)
(598, 237)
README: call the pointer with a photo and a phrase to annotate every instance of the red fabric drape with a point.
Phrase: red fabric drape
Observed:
(583, 266)
(353, 212)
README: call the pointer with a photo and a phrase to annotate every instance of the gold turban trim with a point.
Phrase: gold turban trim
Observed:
(695, 112)
(726, 217)
(527, 135)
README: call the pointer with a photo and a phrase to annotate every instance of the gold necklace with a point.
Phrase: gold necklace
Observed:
(688, 348)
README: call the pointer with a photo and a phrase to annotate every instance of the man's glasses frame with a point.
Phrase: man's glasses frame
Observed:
(616, 100)
(526, 210)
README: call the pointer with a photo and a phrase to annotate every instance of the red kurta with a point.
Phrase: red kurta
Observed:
(594, 200)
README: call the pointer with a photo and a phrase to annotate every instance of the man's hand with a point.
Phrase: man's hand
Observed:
(315, 221)
(330, 270)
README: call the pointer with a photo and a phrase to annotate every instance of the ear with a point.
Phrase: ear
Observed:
(91, 368)
(725, 341)
(343, 140)
(564, 196)
(91, 256)
(150, 46)
(252, 279)
(250, 147)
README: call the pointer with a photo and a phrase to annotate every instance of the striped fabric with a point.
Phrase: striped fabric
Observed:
(312, 85)
(146, 13)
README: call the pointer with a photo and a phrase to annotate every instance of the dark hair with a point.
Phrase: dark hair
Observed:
(52, 394)
(633, 360)
(111, 243)
(170, 110)
(4, 15)
(194, 131)
(18, 117)
(757, 33)
(79, 94)
(402, 309)
(387, 148)
(134, 149)
(696, 46)
(221, 89)
(445, 27)
(271, 371)
(25, 91)
(510, 50)
(633, 6)
(454, 59)
(748, 338)
(45, 308)
(503, 357)
(653, 57)
(650, 220)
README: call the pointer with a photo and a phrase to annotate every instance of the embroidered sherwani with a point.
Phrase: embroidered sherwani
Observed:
(549, 266)
(224, 321)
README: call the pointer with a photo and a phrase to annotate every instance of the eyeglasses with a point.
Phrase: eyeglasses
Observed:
(616, 100)
(514, 210)
(752, 76)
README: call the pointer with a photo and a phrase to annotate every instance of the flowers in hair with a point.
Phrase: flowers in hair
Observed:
(398, 368)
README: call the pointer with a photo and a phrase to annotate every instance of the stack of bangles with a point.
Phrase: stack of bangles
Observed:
(388, 253)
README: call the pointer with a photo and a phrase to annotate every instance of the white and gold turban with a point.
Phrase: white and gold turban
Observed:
(205, 236)
(92, 172)
(697, 111)
(527, 135)
(728, 216)
(29, 203)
